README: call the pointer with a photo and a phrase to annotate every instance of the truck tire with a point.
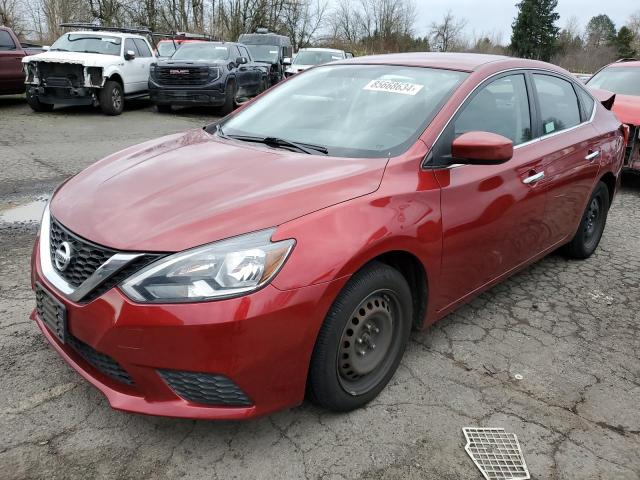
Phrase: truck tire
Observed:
(229, 98)
(38, 106)
(111, 98)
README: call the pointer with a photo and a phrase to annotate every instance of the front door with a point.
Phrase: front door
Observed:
(491, 214)
(135, 71)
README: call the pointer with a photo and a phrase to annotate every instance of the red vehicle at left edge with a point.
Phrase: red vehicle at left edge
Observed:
(289, 249)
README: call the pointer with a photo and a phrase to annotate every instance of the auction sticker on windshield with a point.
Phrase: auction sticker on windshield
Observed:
(404, 88)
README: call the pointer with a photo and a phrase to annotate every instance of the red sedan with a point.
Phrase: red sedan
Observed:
(623, 79)
(291, 248)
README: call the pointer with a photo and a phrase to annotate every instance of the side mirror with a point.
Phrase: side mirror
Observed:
(481, 148)
(46, 47)
(287, 61)
(129, 55)
(242, 60)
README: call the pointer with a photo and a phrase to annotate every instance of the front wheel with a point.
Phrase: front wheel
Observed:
(589, 233)
(362, 340)
(229, 99)
(111, 98)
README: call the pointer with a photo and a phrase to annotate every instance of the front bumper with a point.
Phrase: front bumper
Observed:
(261, 342)
(63, 95)
(184, 96)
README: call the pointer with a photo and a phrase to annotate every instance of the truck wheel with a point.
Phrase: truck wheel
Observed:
(111, 98)
(362, 340)
(36, 105)
(163, 108)
(229, 98)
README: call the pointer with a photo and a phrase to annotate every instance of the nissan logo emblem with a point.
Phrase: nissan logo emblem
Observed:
(62, 256)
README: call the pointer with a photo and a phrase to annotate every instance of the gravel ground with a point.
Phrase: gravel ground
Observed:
(570, 328)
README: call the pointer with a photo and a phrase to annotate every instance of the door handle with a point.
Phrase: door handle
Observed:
(533, 178)
(592, 155)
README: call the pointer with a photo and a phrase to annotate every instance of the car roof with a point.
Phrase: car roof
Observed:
(467, 62)
(628, 63)
(318, 49)
(104, 32)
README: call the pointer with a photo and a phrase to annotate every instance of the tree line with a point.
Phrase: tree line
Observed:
(361, 26)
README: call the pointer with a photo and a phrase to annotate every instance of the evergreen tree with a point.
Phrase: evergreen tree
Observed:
(624, 43)
(601, 31)
(534, 29)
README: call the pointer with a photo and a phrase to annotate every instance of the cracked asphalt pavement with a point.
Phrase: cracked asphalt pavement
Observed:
(570, 328)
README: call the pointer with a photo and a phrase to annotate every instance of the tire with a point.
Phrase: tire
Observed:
(592, 224)
(362, 339)
(164, 108)
(111, 98)
(265, 84)
(229, 98)
(38, 106)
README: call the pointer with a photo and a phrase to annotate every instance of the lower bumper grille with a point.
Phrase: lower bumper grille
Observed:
(205, 388)
(101, 362)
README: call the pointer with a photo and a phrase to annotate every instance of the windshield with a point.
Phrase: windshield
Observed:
(264, 53)
(201, 52)
(87, 43)
(352, 110)
(315, 57)
(166, 49)
(620, 80)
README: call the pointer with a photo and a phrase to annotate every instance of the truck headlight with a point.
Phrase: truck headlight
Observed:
(214, 73)
(226, 268)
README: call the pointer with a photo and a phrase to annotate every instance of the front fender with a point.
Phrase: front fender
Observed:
(337, 241)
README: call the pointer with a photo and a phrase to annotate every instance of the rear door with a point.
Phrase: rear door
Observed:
(11, 73)
(491, 214)
(571, 147)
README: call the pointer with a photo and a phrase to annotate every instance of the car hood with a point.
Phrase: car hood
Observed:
(627, 109)
(85, 59)
(192, 188)
(167, 62)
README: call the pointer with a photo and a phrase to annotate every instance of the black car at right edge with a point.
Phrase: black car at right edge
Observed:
(216, 74)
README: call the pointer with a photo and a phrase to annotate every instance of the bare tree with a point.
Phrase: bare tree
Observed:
(446, 36)
(11, 15)
(303, 19)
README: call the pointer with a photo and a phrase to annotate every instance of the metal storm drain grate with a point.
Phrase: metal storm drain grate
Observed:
(496, 453)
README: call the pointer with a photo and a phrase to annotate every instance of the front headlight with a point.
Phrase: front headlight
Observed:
(215, 73)
(222, 269)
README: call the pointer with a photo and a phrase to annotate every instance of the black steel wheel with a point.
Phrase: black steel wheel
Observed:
(362, 339)
(591, 228)
(229, 98)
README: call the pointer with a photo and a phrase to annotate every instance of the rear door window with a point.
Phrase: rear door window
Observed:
(6, 42)
(143, 48)
(559, 108)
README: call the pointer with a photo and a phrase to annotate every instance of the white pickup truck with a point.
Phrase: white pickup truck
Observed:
(90, 67)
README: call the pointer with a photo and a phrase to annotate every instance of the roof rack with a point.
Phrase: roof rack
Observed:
(186, 36)
(100, 28)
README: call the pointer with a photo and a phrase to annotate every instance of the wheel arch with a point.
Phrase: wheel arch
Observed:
(115, 77)
(610, 181)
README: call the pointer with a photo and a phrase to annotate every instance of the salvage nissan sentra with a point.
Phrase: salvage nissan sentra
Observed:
(290, 248)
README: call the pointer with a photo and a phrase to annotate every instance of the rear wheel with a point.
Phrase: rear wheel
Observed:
(362, 340)
(38, 106)
(111, 98)
(589, 233)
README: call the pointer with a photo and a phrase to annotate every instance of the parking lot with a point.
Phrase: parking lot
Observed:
(551, 355)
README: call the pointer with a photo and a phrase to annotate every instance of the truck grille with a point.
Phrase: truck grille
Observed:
(183, 75)
(85, 259)
(205, 388)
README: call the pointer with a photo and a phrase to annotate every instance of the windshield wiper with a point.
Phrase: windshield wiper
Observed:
(307, 148)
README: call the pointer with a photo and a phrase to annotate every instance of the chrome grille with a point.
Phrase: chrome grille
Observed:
(86, 258)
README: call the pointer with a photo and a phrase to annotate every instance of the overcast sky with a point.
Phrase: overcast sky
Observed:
(485, 16)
